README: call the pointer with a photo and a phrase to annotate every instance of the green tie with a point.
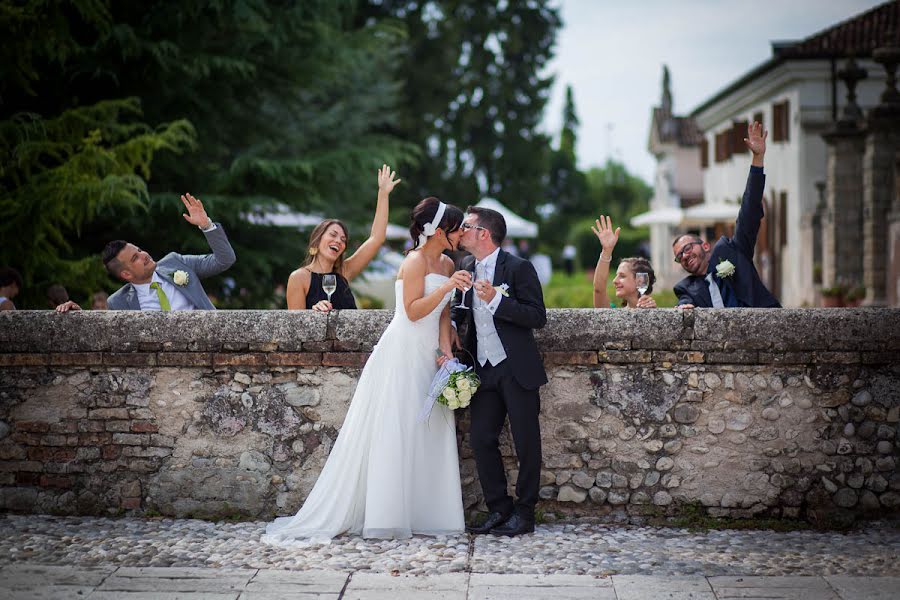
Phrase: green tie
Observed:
(163, 300)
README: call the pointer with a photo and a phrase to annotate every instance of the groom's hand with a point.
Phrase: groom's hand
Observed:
(485, 290)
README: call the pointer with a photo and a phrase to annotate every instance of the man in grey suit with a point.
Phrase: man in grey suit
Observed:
(173, 283)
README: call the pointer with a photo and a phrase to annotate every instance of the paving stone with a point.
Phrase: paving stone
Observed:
(48, 592)
(866, 588)
(273, 582)
(25, 575)
(151, 595)
(647, 587)
(779, 588)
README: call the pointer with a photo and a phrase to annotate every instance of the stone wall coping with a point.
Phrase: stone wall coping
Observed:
(735, 335)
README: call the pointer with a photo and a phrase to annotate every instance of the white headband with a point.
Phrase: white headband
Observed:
(430, 228)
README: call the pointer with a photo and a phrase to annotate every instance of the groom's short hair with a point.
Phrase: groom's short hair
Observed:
(491, 220)
(110, 252)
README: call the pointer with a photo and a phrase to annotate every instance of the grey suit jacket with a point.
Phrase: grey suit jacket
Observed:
(196, 266)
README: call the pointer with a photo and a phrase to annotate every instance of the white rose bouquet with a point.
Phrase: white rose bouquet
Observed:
(460, 387)
(453, 385)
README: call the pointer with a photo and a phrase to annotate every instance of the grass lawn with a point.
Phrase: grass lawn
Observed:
(576, 291)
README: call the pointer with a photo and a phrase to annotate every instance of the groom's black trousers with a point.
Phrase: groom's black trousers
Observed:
(500, 396)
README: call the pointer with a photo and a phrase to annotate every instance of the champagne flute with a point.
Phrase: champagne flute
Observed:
(462, 297)
(329, 284)
(643, 282)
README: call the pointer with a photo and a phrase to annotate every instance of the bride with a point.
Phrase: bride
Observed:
(389, 475)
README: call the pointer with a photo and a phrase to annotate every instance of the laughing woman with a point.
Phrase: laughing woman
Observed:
(325, 256)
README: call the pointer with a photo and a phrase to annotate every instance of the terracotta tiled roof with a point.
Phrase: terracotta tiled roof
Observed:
(680, 130)
(858, 36)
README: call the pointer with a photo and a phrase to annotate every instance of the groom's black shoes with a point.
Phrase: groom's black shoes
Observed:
(515, 525)
(493, 519)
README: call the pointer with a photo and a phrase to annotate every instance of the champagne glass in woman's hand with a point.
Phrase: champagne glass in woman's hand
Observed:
(329, 284)
(642, 282)
(468, 286)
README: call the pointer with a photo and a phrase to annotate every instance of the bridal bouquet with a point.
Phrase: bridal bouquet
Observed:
(453, 385)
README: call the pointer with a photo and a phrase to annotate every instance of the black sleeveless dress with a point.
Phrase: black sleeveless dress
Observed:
(342, 298)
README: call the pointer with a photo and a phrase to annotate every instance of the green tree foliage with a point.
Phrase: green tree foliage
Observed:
(58, 174)
(567, 188)
(615, 192)
(474, 96)
(618, 193)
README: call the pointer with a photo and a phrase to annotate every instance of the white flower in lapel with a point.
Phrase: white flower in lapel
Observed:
(502, 289)
(180, 278)
(725, 268)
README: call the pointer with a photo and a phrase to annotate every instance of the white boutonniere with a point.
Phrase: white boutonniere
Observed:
(502, 289)
(180, 278)
(725, 268)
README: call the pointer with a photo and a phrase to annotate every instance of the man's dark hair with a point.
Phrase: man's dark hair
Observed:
(492, 221)
(8, 276)
(694, 238)
(110, 252)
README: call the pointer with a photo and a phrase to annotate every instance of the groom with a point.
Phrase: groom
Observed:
(507, 305)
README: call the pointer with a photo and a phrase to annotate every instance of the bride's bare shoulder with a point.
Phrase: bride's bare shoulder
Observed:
(447, 265)
(412, 266)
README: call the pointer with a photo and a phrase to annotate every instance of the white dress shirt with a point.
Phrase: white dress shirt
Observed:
(490, 348)
(148, 299)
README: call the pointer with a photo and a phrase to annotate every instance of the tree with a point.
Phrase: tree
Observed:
(59, 173)
(474, 96)
(567, 190)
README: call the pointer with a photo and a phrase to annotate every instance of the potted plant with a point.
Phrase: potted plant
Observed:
(833, 296)
(854, 296)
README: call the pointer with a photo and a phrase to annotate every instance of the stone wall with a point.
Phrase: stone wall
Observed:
(745, 412)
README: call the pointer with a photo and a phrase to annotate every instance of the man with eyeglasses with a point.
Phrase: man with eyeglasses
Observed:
(723, 276)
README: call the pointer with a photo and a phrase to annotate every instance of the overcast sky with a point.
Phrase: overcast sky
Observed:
(612, 53)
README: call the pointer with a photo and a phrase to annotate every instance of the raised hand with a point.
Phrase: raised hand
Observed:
(604, 232)
(386, 179)
(756, 139)
(196, 213)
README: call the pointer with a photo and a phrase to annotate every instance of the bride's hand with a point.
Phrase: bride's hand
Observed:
(461, 280)
(444, 357)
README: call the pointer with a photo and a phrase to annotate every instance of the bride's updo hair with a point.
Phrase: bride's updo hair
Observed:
(424, 213)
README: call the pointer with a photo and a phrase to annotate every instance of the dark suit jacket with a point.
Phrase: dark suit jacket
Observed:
(517, 316)
(745, 283)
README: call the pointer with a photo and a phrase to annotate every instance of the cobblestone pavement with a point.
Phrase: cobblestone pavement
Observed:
(559, 549)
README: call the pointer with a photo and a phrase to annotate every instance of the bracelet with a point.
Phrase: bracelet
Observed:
(609, 260)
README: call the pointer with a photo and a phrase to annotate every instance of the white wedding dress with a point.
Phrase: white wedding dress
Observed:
(389, 475)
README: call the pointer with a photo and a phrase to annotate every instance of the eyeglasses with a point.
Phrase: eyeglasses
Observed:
(468, 226)
(686, 248)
